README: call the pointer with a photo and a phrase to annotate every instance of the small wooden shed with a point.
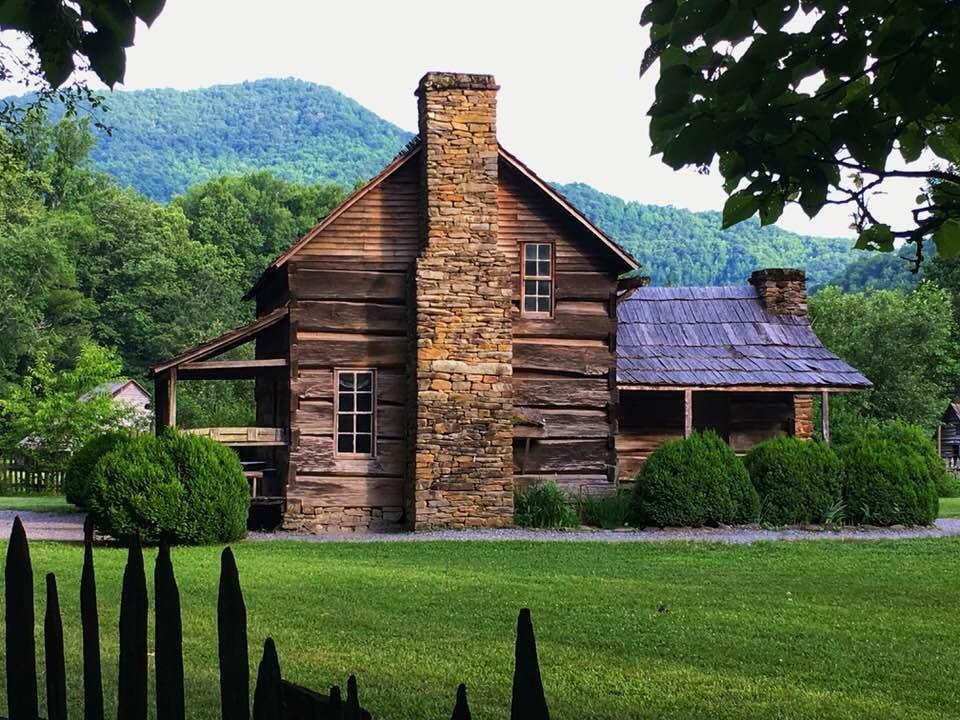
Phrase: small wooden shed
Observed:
(742, 361)
(948, 435)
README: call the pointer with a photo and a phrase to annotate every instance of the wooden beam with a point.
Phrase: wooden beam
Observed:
(230, 369)
(735, 388)
(228, 364)
(825, 416)
(687, 412)
(172, 398)
(165, 400)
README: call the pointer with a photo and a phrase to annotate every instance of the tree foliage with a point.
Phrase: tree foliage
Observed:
(903, 341)
(805, 101)
(49, 412)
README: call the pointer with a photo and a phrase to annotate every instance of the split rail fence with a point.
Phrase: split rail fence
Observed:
(274, 697)
(17, 478)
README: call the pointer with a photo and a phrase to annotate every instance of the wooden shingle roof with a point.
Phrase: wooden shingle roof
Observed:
(721, 337)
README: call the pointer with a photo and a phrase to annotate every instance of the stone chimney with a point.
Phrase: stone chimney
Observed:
(783, 291)
(462, 473)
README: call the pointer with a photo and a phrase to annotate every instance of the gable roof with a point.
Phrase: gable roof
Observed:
(227, 341)
(408, 154)
(721, 337)
(113, 389)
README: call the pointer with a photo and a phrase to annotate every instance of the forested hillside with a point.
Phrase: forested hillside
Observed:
(165, 141)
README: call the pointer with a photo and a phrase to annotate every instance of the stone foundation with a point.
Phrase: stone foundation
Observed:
(337, 519)
(461, 474)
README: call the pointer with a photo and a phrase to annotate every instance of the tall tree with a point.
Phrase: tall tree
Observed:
(903, 341)
(805, 101)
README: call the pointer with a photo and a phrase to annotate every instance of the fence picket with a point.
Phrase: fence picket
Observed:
(21, 649)
(55, 666)
(529, 702)
(461, 711)
(232, 636)
(168, 646)
(266, 695)
(90, 623)
(132, 681)
(274, 697)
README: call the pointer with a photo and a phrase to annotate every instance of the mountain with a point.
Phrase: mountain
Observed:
(164, 141)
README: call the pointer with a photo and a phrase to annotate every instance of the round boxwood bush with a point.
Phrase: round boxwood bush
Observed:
(884, 483)
(544, 505)
(184, 488)
(914, 439)
(692, 482)
(798, 481)
(76, 482)
(216, 490)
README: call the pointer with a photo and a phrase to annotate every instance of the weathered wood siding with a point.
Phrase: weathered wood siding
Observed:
(950, 438)
(743, 419)
(348, 309)
(562, 367)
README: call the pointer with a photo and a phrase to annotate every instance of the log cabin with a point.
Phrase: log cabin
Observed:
(447, 334)
(947, 436)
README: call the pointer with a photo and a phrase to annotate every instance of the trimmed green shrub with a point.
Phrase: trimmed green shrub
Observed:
(692, 482)
(76, 482)
(885, 483)
(611, 511)
(217, 492)
(134, 490)
(185, 488)
(544, 505)
(948, 485)
(913, 438)
(798, 481)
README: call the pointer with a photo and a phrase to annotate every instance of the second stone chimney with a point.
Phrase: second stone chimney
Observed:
(783, 291)
(462, 471)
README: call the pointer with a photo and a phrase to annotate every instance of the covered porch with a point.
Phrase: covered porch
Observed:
(742, 416)
(262, 448)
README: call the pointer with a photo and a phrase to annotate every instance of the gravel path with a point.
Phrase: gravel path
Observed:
(50, 526)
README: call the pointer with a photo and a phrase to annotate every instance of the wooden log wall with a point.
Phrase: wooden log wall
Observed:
(949, 438)
(348, 309)
(743, 419)
(563, 367)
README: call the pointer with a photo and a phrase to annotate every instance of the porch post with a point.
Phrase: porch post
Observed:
(687, 412)
(165, 400)
(825, 416)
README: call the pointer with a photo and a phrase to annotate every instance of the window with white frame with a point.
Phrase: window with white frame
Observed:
(537, 280)
(355, 433)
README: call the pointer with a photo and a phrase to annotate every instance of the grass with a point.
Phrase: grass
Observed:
(949, 508)
(790, 630)
(36, 503)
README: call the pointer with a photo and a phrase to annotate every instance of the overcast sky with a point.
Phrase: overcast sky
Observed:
(571, 103)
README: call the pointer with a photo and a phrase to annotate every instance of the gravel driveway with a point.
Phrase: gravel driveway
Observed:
(50, 526)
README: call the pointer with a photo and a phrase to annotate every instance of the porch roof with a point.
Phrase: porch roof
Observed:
(229, 340)
(721, 337)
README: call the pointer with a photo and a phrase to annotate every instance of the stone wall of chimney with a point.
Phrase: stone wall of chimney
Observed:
(783, 291)
(461, 472)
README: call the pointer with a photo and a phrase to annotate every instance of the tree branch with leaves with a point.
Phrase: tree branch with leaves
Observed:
(814, 116)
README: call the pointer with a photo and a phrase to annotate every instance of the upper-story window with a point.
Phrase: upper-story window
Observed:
(355, 412)
(536, 280)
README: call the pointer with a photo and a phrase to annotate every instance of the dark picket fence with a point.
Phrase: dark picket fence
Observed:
(274, 698)
(18, 477)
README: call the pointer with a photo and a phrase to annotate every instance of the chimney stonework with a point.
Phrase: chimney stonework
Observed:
(782, 291)
(461, 472)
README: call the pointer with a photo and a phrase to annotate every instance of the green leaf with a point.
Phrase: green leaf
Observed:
(947, 239)
(106, 56)
(876, 237)
(657, 12)
(692, 146)
(694, 17)
(739, 207)
(771, 208)
(946, 143)
(911, 142)
(148, 10)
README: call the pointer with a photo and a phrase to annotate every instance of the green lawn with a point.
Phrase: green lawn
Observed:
(788, 630)
(949, 507)
(36, 503)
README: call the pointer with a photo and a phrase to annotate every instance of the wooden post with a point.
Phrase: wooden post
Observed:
(825, 416)
(687, 413)
(165, 400)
